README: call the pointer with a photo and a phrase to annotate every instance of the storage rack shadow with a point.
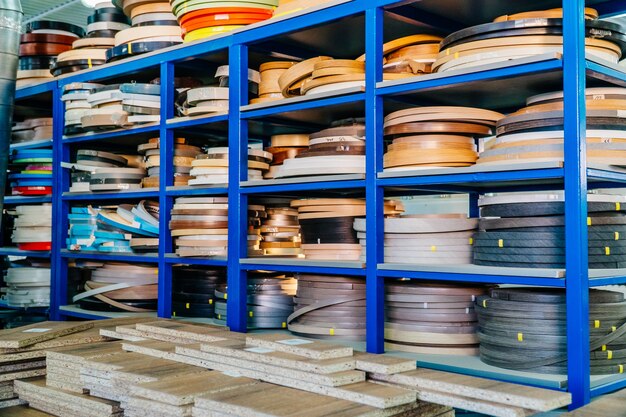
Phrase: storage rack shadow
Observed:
(345, 27)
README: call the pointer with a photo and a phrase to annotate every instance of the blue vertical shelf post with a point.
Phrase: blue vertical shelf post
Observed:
(237, 202)
(575, 148)
(166, 178)
(60, 177)
(374, 251)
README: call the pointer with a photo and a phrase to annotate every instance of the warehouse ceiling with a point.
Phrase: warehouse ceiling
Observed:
(73, 11)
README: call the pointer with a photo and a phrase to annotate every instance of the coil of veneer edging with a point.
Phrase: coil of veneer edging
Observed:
(524, 329)
(431, 317)
(512, 222)
(28, 286)
(33, 227)
(193, 291)
(329, 307)
(280, 231)
(269, 300)
(212, 167)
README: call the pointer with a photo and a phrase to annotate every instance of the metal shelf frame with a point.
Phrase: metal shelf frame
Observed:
(570, 71)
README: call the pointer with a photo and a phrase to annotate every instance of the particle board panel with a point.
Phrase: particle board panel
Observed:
(130, 330)
(35, 333)
(79, 338)
(238, 348)
(184, 331)
(174, 393)
(13, 357)
(151, 408)
(119, 336)
(383, 364)
(479, 388)
(11, 376)
(22, 366)
(11, 403)
(299, 346)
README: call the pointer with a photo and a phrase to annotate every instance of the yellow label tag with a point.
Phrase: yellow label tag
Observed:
(130, 48)
(219, 316)
(284, 325)
(225, 296)
(520, 337)
(603, 348)
(609, 354)
(588, 221)
(485, 303)
(596, 324)
(613, 328)
(621, 369)
(89, 62)
(251, 314)
(471, 240)
(187, 306)
(607, 250)
(433, 248)
(211, 301)
(618, 206)
(173, 314)
(616, 235)
(447, 51)
(456, 55)
(331, 332)
(500, 243)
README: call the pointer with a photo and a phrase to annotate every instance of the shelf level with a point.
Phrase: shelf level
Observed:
(116, 195)
(75, 311)
(101, 256)
(9, 251)
(35, 199)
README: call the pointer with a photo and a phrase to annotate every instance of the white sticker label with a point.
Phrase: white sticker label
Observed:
(234, 374)
(294, 342)
(259, 350)
(36, 330)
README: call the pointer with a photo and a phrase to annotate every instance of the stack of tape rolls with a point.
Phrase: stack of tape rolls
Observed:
(527, 230)
(412, 54)
(269, 300)
(102, 26)
(435, 137)
(431, 318)
(40, 45)
(327, 226)
(535, 133)
(523, 329)
(184, 155)
(203, 101)
(285, 147)
(328, 307)
(154, 27)
(75, 97)
(125, 228)
(193, 291)
(199, 226)
(204, 19)
(212, 167)
(122, 105)
(32, 130)
(32, 229)
(28, 286)
(436, 239)
(524, 35)
(83, 224)
(34, 172)
(337, 150)
(104, 171)
(117, 286)
(269, 89)
(280, 230)
(286, 7)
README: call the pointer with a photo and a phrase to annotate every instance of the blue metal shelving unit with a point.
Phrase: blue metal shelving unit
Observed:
(339, 30)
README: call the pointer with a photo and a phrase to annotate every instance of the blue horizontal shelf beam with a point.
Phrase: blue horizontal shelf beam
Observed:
(83, 315)
(477, 278)
(30, 253)
(304, 21)
(33, 90)
(474, 177)
(112, 135)
(196, 191)
(493, 74)
(43, 310)
(12, 200)
(173, 259)
(148, 193)
(33, 144)
(305, 269)
(304, 186)
(605, 73)
(608, 388)
(100, 256)
(201, 121)
(606, 175)
(599, 282)
(303, 105)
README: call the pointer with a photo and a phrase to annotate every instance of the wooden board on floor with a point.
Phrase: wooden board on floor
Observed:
(298, 346)
(35, 333)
